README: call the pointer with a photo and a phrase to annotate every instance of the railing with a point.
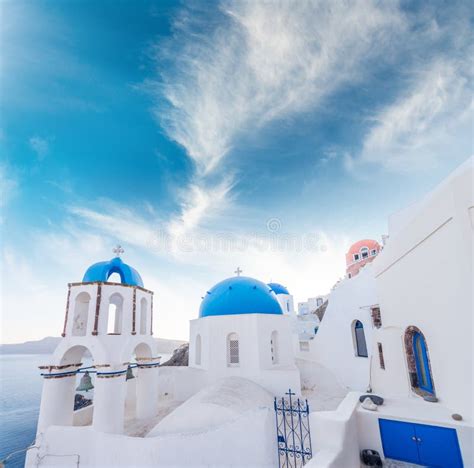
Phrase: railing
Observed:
(293, 432)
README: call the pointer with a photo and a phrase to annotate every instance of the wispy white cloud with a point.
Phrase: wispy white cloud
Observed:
(428, 122)
(199, 203)
(118, 223)
(41, 146)
(264, 61)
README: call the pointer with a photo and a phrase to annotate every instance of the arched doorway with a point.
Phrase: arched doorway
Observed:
(419, 367)
(421, 360)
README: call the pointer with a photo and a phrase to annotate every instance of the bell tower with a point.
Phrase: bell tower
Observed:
(110, 321)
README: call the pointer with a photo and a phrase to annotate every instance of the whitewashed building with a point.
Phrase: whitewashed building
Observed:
(399, 327)
(242, 331)
(418, 324)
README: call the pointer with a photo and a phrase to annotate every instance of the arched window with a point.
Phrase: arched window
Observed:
(198, 350)
(274, 347)
(419, 368)
(114, 319)
(143, 316)
(233, 358)
(81, 314)
(364, 252)
(359, 339)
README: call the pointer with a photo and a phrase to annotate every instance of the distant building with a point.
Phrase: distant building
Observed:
(284, 298)
(311, 305)
(361, 253)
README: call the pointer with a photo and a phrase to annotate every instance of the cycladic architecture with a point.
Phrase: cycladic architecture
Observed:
(360, 254)
(386, 373)
(309, 306)
(284, 298)
(111, 322)
(243, 331)
(401, 324)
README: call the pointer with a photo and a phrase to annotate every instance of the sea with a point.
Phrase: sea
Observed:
(20, 395)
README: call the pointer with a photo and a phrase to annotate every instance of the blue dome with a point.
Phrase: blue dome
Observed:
(239, 295)
(278, 288)
(101, 272)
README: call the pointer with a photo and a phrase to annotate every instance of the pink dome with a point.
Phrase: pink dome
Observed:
(360, 253)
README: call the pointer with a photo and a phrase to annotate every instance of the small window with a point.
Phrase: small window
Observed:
(359, 339)
(381, 359)
(349, 276)
(364, 252)
(288, 306)
(304, 346)
(233, 358)
(274, 347)
(373, 252)
(198, 350)
(319, 301)
(356, 257)
(376, 317)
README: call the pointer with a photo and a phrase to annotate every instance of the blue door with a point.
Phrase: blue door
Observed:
(426, 445)
(438, 446)
(422, 366)
(399, 441)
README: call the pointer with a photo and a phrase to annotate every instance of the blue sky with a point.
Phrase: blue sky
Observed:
(166, 126)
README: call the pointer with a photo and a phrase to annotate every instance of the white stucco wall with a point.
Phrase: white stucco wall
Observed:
(333, 346)
(254, 332)
(424, 279)
(231, 424)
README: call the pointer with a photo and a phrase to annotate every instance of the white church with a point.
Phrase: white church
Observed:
(380, 371)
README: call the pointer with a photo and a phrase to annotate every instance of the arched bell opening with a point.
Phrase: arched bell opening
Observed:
(143, 316)
(115, 315)
(68, 390)
(81, 314)
(140, 383)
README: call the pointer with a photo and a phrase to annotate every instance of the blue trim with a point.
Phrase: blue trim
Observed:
(422, 361)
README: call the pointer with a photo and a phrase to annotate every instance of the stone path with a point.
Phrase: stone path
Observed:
(140, 428)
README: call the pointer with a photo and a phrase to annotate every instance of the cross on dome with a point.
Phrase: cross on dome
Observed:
(118, 250)
(238, 271)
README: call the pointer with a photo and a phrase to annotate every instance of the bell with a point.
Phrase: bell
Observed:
(129, 374)
(85, 384)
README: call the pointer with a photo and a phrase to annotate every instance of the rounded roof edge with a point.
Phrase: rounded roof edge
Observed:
(101, 271)
(278, 288)
(239, 295)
